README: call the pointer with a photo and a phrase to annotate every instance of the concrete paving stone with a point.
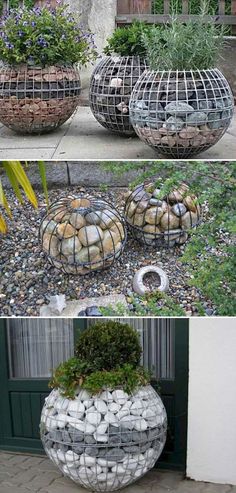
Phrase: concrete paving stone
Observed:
(26, 154)
(13, 140)
(31, 462)
(17, 459)
(24, 476)
(42, 480)
(10, 470)
(189, 486)
(6, 488)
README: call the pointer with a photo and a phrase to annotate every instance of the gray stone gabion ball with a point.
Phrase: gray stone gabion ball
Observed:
(107, 441)
(81, 234)
(181, 113)
(161, 221)
(111, 86)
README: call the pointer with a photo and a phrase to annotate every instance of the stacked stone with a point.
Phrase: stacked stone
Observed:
(181, 114)
(82, 234)
(163, 221)
(107, 441)
(36, 100)
(111, 86)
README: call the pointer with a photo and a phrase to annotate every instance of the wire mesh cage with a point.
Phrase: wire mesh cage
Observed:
(164, 221)
(181, 113)
(111, 86)
(37, 100)
(107, 441)
(81, 234)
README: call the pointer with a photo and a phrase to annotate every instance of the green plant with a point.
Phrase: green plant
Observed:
(43, 36)
(210, 252)
(18, 180)
(126, 377)
(194, 45)
(127, 41)
(109, 345)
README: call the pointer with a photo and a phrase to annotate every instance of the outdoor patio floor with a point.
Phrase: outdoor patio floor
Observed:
(82, 137)
(25, 473)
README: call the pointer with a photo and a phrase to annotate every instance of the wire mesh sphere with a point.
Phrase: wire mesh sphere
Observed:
(107, 441)
(181, 113)
(37, 100)
(81, 234)
(164, 221)
(111, 86)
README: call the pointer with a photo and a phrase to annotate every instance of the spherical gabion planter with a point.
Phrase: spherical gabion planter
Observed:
(161, 222)
(107, 441)
(37, 100)
(82, 234)
(111, 86)
(181, 113)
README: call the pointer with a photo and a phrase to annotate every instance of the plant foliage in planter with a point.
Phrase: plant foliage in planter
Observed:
(183, 104)
(39, 85)
(115, 76)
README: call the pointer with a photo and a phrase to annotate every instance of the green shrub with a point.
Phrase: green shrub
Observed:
(128, 40)
(43, 36)
(109, 345)
(194, 45)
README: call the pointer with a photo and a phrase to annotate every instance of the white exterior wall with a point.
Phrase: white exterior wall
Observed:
(211, 454)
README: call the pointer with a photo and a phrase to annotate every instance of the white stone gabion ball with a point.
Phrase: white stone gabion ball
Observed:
(107, 441)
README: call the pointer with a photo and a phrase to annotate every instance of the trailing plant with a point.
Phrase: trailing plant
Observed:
(193, 45)
(107, 356)
(109, 345)
(210, 252)
(127, 41)
(44, 36)
(156, 304)
(19, 181)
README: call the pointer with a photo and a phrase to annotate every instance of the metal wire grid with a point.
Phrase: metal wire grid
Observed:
(111, 86)
(181, 113)
(104, 442)
(37, 100)
(81, 234)
(161, 222)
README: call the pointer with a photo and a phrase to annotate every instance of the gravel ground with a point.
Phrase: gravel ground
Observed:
(28, 280)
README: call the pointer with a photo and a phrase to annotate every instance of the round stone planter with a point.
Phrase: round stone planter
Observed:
(107, 441)
(37, 100)
(82, 234)
(111, 86)
(164, 221)
(181, 113)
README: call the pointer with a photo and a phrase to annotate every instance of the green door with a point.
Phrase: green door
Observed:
(25, 386)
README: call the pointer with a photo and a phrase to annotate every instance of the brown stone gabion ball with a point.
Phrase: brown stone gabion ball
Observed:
(38, 100)
(111, 86)
(161, 221)
(82, 234)
(181, 113)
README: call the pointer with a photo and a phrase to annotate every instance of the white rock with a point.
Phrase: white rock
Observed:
(76, 409)
(149, 414)
(137, 408)
(122, 413)
(84, 426)
(141, 394)
(130, 463)
(84, 472)
(94, 418)
(61, 421)
(149, 453)
(88, 403)
(72, 465)
(114, 407)
(102, 428)
(61, 455)
(100, 438)
(110, 418)
(101, 406)
(139, 458)
(118, 469)
(87, 460)
(140, 425)
(71, 456)
(96, 469)
(116, 82)
(61, 404)
(128, 422)
(106, 463)
(106, 396)
(120, 396)
(84, 395)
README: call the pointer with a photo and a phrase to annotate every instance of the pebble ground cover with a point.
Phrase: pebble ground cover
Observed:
(27, 280)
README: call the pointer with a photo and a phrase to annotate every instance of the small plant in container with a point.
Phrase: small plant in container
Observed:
(39, 82)
(183, 104)
(114, 78)
(103, 425)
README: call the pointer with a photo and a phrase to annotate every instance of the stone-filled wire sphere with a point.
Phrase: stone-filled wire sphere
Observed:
(181, 113)
(107, 441)
(163, 221)
(38, 100)
(81, 234)
(111, 86)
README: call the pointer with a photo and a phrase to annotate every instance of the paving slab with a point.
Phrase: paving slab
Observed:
(73, 308)
(82, 137)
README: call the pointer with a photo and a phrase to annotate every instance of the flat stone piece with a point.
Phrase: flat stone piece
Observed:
(74, 307)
